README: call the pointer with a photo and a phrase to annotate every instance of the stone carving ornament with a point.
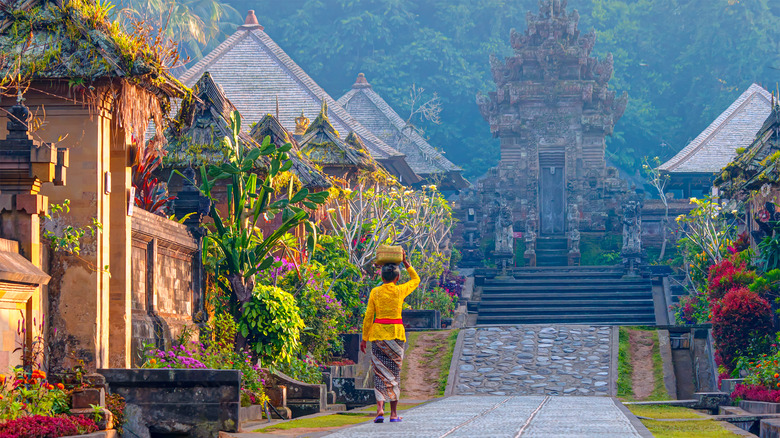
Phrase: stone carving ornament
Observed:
(632, 227)
(504, 228)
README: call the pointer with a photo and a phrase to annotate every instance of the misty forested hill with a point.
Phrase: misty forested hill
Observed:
(681, 61)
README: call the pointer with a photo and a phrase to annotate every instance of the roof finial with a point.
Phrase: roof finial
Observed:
(361, 82)
(301, 123)
(322, 121)
(251, 21)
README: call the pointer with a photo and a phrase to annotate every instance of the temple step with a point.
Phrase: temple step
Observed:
(574, 295)
(617, 319)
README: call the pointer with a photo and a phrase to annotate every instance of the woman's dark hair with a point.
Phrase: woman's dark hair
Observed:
(390, 272)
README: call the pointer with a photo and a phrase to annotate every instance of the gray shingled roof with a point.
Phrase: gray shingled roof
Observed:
(736, 128)
(204, 120)
(259, 77)
(373, 112)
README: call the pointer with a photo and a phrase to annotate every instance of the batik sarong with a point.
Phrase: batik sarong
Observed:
(387, 357)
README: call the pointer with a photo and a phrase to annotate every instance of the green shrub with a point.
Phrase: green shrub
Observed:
(271, 324)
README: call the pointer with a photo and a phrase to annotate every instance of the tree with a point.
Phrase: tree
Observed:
(659, 180)
(239, 245)
(195, 24)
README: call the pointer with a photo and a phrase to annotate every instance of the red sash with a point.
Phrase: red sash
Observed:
(388, 321)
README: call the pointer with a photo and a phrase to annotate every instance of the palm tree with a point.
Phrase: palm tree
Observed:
(194, 24)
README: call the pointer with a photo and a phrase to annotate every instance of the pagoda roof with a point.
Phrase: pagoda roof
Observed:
(373, 112)
(64, 40)
(302, 167)
(203, 122)
(322, 144)
(717, 145)
(260, 78)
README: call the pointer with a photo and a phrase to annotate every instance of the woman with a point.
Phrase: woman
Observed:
(387, 336)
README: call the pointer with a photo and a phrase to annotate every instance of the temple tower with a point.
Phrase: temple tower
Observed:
(552, 110)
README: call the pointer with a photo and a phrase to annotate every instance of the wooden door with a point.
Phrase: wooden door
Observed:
(552, 193)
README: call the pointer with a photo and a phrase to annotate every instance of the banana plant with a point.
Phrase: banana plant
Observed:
(241, 247)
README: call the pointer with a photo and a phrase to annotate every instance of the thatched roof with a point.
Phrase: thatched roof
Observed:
(73, 40)
(196, 136)
(304, 169)
(260, 78)
(322, 145)
(757, 164)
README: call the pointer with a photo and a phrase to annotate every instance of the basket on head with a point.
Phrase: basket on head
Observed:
(389, 254)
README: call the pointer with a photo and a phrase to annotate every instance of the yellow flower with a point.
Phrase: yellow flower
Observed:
(331, 210)
(413, 211)
(680, 217)
(694, 201)
(347, 191)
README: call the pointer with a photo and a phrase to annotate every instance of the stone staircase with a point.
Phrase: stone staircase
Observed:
(565, 295)
(552, 251)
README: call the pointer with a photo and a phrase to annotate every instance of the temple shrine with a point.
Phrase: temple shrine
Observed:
(552, 110)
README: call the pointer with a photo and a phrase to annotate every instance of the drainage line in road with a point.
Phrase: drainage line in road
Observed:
(481, 414)
(531, 417)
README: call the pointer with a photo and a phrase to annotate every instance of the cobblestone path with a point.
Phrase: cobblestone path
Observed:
(536, 360)
(507, 417)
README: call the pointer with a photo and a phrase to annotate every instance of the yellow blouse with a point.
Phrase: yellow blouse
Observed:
(386, 302)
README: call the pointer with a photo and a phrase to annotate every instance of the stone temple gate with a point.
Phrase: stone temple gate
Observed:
(551, 110)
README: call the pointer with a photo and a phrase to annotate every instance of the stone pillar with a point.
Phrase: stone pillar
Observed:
(24, 165)
(190, 203)
(120, 292)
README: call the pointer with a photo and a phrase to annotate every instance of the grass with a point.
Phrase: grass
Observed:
(339, 419)
(625, 369)
(444, 371)
(625, 389)
(688, 429)
(333, 420)
(659, 391)
(663, 412)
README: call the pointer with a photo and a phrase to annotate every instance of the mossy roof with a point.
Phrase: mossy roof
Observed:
(260, 78)
(196, 135)
(304, 169)
(74, 40)
(757, 164)
(322, 145)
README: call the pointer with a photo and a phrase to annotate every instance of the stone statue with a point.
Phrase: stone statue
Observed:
(632, 228)
(504, 228)
(632, 235)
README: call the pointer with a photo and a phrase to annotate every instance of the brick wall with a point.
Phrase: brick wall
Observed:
(167, 292)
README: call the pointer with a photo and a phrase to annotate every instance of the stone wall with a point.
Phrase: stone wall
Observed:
(166, 289)
(177, 403)
(652, 223)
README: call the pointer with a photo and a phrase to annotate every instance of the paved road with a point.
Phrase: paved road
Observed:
(507, 416)
(536, 360)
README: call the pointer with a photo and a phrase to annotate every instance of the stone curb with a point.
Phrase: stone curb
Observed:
(451, 378)
(641, 429)
(613, 362)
